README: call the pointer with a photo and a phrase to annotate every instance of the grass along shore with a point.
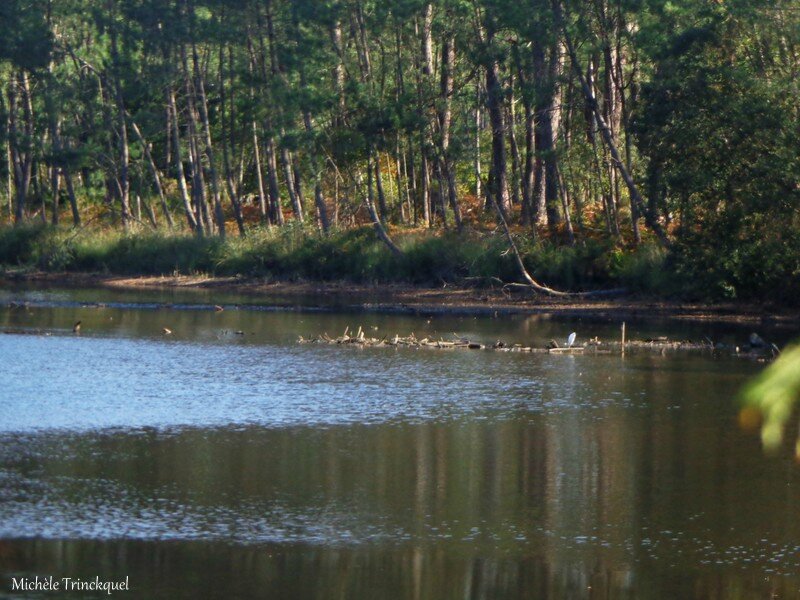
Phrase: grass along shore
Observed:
(293, 253)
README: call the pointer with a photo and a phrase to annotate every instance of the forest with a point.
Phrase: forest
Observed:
(651, 144)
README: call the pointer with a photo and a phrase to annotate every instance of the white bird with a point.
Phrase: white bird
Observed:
(571, 339)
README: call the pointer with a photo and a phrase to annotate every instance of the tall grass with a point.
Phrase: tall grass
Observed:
(354, 255)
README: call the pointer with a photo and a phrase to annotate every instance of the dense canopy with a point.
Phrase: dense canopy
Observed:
(670, 123)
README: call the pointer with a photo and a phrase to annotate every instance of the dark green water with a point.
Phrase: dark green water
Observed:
(209, 463)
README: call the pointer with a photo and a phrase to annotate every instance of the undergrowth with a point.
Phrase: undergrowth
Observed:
(355, 255)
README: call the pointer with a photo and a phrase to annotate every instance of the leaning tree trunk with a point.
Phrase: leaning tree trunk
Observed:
(373, 214)
(156, 175)
(608, 138)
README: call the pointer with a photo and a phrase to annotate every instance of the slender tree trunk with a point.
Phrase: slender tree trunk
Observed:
(156, 175)
(22, 159)
(122, 134)
(195, 153)
(9, 176)
(192, 218)
(289, 177)
(527, 175)
(227, 121)
(477, 157)
(494, 102)
(512, 138)
(423, 69)
(376, 222)
(382, 208)
(73, 201)
(272, 181)
(262, 198)
(445, 119)
(319, 198)
(199, 87)
(608, 138)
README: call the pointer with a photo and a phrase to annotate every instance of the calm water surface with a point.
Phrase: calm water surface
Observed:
(225, 460)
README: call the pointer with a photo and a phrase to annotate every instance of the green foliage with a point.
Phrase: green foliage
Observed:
(645, 270)
(773, 395)
(295, 252)
(718, 126)
(708, 88)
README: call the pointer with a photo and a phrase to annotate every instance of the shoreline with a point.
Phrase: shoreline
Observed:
(410, 299)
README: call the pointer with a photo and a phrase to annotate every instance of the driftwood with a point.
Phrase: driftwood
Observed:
(660, 345)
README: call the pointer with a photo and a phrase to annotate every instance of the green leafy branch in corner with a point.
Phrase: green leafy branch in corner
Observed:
(770, 397)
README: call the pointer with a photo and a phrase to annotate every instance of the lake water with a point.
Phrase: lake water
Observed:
(226, 460)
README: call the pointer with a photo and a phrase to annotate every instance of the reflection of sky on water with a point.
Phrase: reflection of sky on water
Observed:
(314, 470)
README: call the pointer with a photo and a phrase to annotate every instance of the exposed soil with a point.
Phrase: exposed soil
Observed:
(442, 300)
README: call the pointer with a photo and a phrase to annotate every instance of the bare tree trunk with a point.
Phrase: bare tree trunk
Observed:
(191, 217)
(289, 177)
(319, 199)
(195, 161)
(73, 201)
(445, 119)
(55, 189)
(477, 157)
(272, 181)
(122, 133)
(382, 208)
(199, 88)
(376, 222)
(262, 198)
(546, 69)
(608, 138)
(22, 159)
(423, 68)
(527, 176)
(227, 140)
(494, 95)
(9, 176)
(154, 171)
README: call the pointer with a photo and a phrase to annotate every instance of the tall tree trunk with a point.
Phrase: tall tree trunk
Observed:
(527, 175)
(319, 199)
(476, 163)
(122, 134)
(445, 119)
(512, 138)
(200, 89)
(73, 201)
(289, 177)
(154, 171)
(494, 102)
(276, 213)
(376, 222)
(21, 153)
(192, 218)
(195, 153)
(382, 208)
(227, 121)
(608, 138)
(546, 69)
(262, 198)
(424, 69)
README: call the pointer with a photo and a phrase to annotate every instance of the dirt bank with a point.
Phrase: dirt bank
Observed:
(442, 300)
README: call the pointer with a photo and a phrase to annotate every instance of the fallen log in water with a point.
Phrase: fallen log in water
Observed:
(660, 345)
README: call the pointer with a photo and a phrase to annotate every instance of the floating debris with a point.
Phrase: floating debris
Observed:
(660, 345)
